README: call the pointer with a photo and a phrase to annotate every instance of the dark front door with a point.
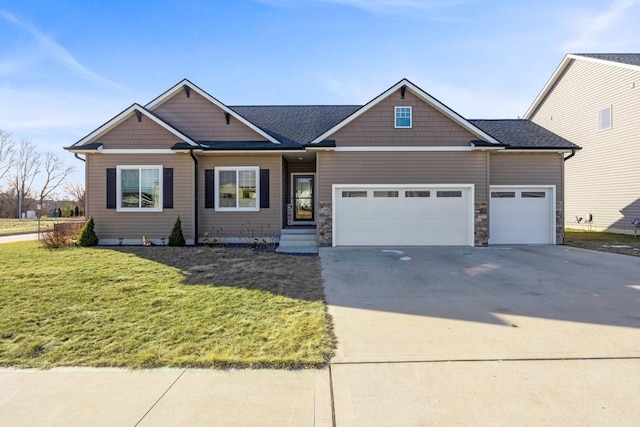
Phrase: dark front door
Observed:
(303, 198)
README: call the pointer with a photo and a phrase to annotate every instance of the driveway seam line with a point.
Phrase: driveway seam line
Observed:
(160, 398)
(542, 359)
(333, 405)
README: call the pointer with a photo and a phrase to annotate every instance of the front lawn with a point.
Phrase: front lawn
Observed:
(607, 242)
(10, 226)
(158, 306)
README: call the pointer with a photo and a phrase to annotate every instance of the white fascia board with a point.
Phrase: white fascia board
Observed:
(246, 152)
(114, 122)
(135, 151)
(180, 86)
(421, 94)
(558, 73)
(404, 148)
(547, 87)
(537, 150)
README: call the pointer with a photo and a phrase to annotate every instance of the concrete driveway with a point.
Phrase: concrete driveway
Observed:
(531, 335)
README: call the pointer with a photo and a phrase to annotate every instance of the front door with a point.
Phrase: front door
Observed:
(303, 198)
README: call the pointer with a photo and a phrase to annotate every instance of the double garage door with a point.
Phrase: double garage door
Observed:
(407, 216)
(426, 215)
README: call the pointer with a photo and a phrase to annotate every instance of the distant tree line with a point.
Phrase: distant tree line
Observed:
(29, 178)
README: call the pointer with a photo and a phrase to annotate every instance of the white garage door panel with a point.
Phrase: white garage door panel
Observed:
(521, 220)
(410, 221)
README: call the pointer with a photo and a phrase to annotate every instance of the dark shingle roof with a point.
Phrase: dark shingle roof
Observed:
(623, 58)
(523, 134)
(296, 123)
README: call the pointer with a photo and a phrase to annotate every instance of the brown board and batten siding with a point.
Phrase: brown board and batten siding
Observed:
(519, 169)
(202, 120)
(238, 224)
(401, 168)
(602, 179)
(132, 134)
(111, 224)
(376, 127)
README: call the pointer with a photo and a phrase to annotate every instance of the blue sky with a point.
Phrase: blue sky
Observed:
(68, 66)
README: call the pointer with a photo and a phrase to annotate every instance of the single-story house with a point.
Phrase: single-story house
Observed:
(403, 169)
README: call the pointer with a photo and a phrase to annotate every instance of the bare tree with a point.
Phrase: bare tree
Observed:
(75, 191)
(7, 152)
(26, 166)
(55, 172)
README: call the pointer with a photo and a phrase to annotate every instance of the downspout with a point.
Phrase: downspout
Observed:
(573, 153)
(78, 157)
(195, 196)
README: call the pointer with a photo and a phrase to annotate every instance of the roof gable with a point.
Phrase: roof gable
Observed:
(621, 60)
(187, 86)
(130, 112)
(403, 85)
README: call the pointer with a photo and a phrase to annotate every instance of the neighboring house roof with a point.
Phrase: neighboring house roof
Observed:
(523, 135)
(296, 123)
(622, 60)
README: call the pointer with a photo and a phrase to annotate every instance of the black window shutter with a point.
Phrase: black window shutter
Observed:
(264, 188)
(167, 188)
(209, 188)
(111, 188)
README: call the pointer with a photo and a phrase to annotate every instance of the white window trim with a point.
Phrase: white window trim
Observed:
(610, 108)
(217, 188)
(119, 169)
(395, 116)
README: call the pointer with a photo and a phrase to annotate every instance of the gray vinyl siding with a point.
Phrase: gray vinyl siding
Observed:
(527, 169)
(401, 168)
(111, 224)
(602, 179)
(376, 127)
(132, 134)
(238, 224)
(202, 120)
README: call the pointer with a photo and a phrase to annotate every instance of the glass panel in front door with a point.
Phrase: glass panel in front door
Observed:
(303, 198)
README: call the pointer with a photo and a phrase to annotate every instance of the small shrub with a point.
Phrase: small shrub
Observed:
(176, 238)
(88, 235)
(62, 235)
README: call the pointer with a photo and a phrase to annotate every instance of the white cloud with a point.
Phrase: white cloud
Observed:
(612, 29)
(54, 51)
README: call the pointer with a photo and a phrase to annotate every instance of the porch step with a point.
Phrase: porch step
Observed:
(298, 250)
(298, 240)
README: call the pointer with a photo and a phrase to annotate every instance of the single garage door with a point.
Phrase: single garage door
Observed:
(405, 216)
(520, 215)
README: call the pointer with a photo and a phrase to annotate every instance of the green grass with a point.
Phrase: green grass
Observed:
(10, 226)
(159, 306)
(601, 241)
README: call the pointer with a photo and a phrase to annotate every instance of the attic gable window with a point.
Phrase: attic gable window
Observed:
(403, 117)
(604, 118)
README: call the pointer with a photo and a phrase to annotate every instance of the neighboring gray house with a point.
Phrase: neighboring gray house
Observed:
(403, 169)
(593, 100)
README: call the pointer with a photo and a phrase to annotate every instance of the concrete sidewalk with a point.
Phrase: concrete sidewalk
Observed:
(164, 397)
(18, 238)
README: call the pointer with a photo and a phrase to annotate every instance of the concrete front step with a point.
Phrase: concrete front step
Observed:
(298, 250)
(291, 243)
(291, 237)
(305, 230)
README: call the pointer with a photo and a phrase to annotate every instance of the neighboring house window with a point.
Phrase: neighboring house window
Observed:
(139, 188)
(237, 188)
(403, 117)
(604, 118)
